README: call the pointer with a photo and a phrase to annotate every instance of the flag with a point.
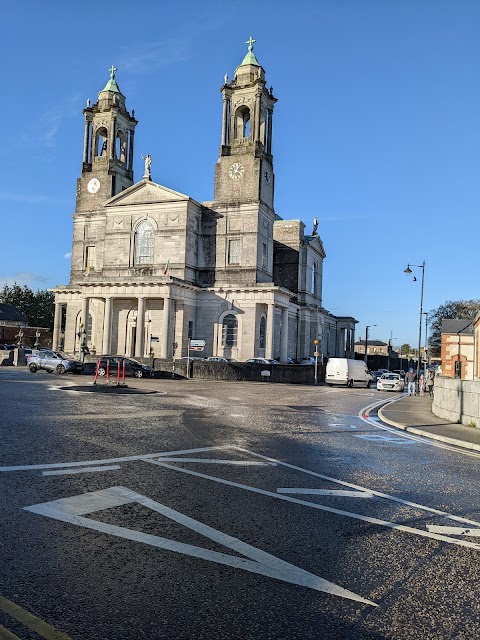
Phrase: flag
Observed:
(167, 266)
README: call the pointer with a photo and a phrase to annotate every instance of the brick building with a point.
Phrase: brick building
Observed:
(458, 348)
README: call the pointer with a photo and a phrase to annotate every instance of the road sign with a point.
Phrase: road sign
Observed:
(316, 354)
(196, 348)
(197, 343)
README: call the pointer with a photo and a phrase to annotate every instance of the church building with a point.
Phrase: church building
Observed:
(152, 267)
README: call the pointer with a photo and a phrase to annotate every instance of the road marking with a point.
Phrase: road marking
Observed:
(373, 437)
(61, 465)
(340, 493)
(72, 509)
(35, 624)
(454, 531)
(5, 634)
(242, 463)
(321, 507)
(344, 426)
(64, 472)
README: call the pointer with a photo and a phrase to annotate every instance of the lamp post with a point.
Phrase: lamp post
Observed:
(390, 350)
(366, 341)
(425, 349)
(408, 271)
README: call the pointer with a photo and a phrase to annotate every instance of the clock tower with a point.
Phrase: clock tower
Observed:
(244, 170)
(107, 166)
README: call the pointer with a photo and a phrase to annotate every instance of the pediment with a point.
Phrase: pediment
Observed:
(316, 243)
(145, 192)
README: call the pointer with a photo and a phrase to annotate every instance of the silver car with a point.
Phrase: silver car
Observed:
(51, 361)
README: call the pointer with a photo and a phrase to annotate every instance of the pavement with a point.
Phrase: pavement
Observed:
(414, 414)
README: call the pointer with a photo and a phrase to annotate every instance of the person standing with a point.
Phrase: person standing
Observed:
(430, 382)
(410, 379)
(421, 385)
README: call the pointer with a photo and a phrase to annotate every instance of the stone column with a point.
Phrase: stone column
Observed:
(85, 142)
(57, 326)
(140, 327)
(270, 330)
(284, 336)
(269, 135)
(224, 121)
(257, 118)
(165, 327)
(130, 151)
(107, 325)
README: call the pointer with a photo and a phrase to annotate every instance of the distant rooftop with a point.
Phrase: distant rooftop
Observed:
(457, 326)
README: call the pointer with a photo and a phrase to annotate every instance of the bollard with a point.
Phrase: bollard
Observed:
(107, 375)
(96, 372)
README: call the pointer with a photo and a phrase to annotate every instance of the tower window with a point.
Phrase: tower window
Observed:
(229, 331)
(263, 332)
(121, 147)
(144, 244)
(264, 255)
(234, 252)
(314, 279)
(101, 142)
(242, 123)
(90, 254)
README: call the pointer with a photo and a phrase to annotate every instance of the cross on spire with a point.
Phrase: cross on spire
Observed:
(113, 69)
(250, 42)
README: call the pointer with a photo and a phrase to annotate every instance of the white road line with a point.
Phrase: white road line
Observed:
(373, 437)
(454, 531)
(61, 465)
(242, 463)
(63, 472)
(72, 509)
(360, 488)
(321, 507)
(340, 493)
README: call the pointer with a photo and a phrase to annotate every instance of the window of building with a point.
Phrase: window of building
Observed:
(264, 256)
(229, 331)
(90, 254)
(144, 244)
(89, 328)
(263, 332)
(234, 252)
(314, 279)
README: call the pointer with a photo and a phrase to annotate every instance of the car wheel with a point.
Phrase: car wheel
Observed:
(350, 384)
(101, 371)
(33, 368)
(49, 370)
(138, 373)
(369, 384)
(61, 369)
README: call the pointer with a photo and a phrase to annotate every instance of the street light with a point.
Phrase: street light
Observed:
(408, 271)
(366, 340)
(425, 349)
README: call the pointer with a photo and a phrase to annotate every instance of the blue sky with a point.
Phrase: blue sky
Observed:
(376, 131)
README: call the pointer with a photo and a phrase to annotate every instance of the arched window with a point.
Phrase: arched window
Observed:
(120, 147)
(144, 244)
(229, 331)
(263, 332)
(242, 122)
(101, 142)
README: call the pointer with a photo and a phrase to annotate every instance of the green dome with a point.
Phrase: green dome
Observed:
(112, 84)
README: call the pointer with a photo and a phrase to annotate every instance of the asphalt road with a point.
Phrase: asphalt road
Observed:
(227, 510)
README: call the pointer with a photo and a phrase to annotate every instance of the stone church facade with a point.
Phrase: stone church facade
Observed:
(152, 267)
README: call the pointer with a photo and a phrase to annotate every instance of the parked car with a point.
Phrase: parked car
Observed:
(132, 367)
(390, 382)
(185, 359)
(262, 361)
(51, 361)
(400, 372)
(307, 360)
(217, 359)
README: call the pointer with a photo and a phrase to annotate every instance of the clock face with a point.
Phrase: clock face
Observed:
(266, 176)
(236, 171)
(94, 185)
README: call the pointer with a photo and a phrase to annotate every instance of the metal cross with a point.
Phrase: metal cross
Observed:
(113, 69)
(250, 42)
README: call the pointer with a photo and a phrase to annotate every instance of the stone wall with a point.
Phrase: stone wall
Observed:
(457, 400)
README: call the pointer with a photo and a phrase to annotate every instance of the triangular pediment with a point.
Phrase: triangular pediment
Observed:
(316, 243)
(146, 192)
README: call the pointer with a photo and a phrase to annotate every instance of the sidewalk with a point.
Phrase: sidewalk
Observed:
(414, 414)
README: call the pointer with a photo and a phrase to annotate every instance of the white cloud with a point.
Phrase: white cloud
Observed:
(32, 280)
(67, 255)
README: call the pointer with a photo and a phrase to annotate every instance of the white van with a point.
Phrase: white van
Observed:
(348, 372)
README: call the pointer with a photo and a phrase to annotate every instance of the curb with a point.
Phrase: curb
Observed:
(432, 436)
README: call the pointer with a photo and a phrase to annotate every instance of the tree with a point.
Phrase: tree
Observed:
(405, 349)
(459, 309)
(37, 307)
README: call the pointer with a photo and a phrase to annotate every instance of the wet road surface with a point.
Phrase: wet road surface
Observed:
(228, 510)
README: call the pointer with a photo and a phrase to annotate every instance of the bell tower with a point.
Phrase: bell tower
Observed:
(244, 170)
(107, 166)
